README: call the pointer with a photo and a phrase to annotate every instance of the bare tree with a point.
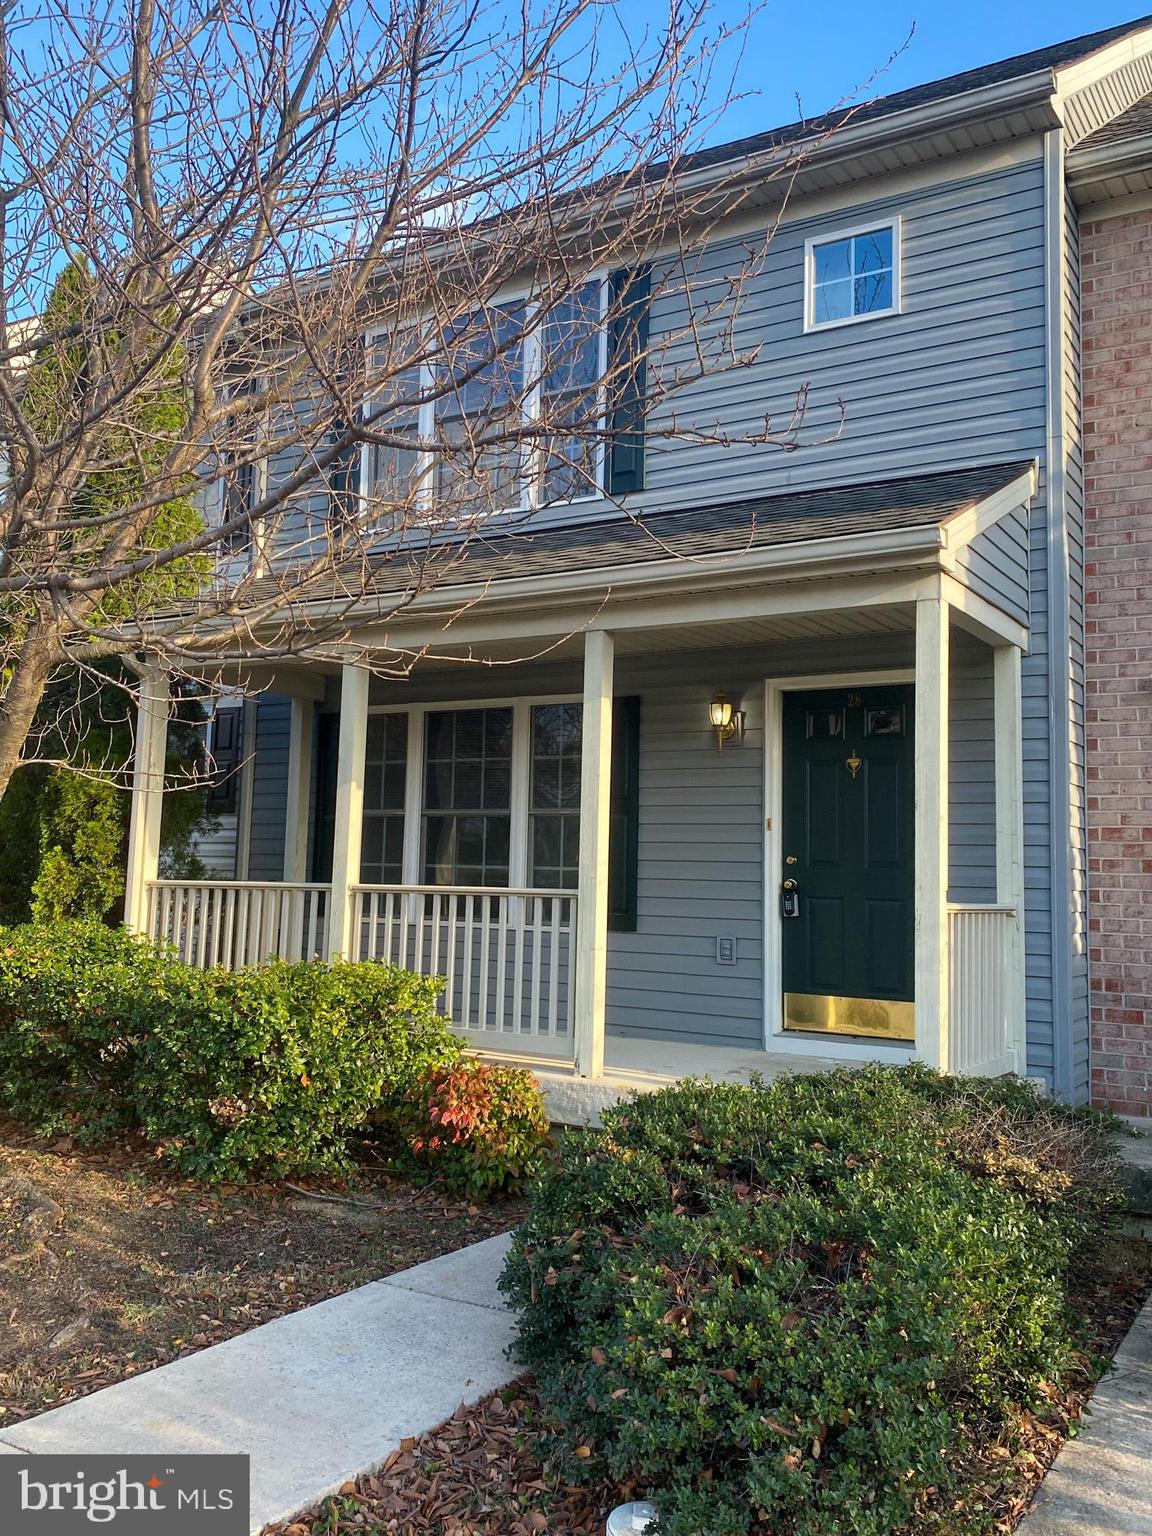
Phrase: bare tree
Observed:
(256, 341)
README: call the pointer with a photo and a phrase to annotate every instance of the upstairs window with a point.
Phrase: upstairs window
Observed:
(854, 276)
(571, 366)
(392, 468)
(480, 413)
(496, 375)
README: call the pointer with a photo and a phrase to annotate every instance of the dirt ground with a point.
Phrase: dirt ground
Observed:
(108, 1267)
(490, 1470)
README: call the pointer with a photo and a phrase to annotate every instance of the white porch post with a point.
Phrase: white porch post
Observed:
(147, 796)
(299, 789)
(1008, 711)
(932, 978)
(349, 810)
(592, 892)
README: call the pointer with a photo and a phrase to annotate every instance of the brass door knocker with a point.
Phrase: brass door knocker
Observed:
(854, 763)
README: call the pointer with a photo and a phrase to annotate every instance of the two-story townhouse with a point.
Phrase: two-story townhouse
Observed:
(797, 774)
(1110, 173)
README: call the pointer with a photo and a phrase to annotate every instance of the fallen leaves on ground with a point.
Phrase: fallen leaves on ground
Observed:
(483, 1473)
(109, 1267)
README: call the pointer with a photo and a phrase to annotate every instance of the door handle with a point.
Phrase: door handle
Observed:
(790, 899)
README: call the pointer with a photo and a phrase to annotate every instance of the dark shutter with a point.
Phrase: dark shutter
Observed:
(624, 817)
(628, 300)
(225, 760)
(324, 827)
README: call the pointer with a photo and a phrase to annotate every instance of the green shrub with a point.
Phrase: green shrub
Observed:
(69, 997)
(272, 1071)
(784, 1308)
(480, 1128)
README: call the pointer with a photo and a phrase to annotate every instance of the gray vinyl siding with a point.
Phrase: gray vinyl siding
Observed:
(972, 773)
(1037, 770)
(270, 787)
(1055, 917)
(216, 848)
(995, 565)
(701, 840)
(956, 378)
(1092, 107)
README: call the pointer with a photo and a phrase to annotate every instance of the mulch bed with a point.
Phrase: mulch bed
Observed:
(488, 1471)
(108, 1267)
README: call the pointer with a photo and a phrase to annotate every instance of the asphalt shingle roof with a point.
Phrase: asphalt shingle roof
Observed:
(1136, 123)
(792, 518)
(1052, 57)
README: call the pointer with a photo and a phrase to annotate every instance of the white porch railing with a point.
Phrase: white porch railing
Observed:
(982, 942)
(506, 955)
(235, 923)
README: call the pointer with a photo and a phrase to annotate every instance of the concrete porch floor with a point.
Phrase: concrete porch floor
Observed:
(632, 1063)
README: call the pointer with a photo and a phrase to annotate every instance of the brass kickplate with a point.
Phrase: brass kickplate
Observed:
(850, 1016)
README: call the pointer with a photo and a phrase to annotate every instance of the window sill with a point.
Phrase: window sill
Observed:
(813, 326)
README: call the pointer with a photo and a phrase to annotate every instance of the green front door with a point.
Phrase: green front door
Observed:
(846, 902)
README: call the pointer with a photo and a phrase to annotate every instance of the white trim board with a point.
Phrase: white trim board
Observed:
(775, 1036)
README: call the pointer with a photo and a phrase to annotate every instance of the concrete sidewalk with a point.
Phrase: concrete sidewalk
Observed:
(1101, 1482)
(314, 1398)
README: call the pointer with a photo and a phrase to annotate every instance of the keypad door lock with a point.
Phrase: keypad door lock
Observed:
(790, 899)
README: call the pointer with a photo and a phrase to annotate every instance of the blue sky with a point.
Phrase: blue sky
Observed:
(824, 49)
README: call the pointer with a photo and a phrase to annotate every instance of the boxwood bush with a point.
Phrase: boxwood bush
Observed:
(785, 1308)
(273, 1070)
(262, 1072)
(69, 994)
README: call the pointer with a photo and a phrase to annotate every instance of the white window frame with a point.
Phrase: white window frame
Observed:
(531, 474)
(834, 237)
(519, 803)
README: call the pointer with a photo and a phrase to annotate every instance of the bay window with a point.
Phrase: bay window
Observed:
(392, 468)
(478, 416)
(571, 366)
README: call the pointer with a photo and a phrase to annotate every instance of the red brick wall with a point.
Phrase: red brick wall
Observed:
(1116, 256)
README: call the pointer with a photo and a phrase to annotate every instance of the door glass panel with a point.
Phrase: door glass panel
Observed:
(825, 722)
(886, 721)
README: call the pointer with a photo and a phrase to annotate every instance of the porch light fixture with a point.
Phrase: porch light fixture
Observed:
(725, 720)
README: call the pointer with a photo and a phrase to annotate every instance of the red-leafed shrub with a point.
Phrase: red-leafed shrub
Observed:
(479, 1127)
